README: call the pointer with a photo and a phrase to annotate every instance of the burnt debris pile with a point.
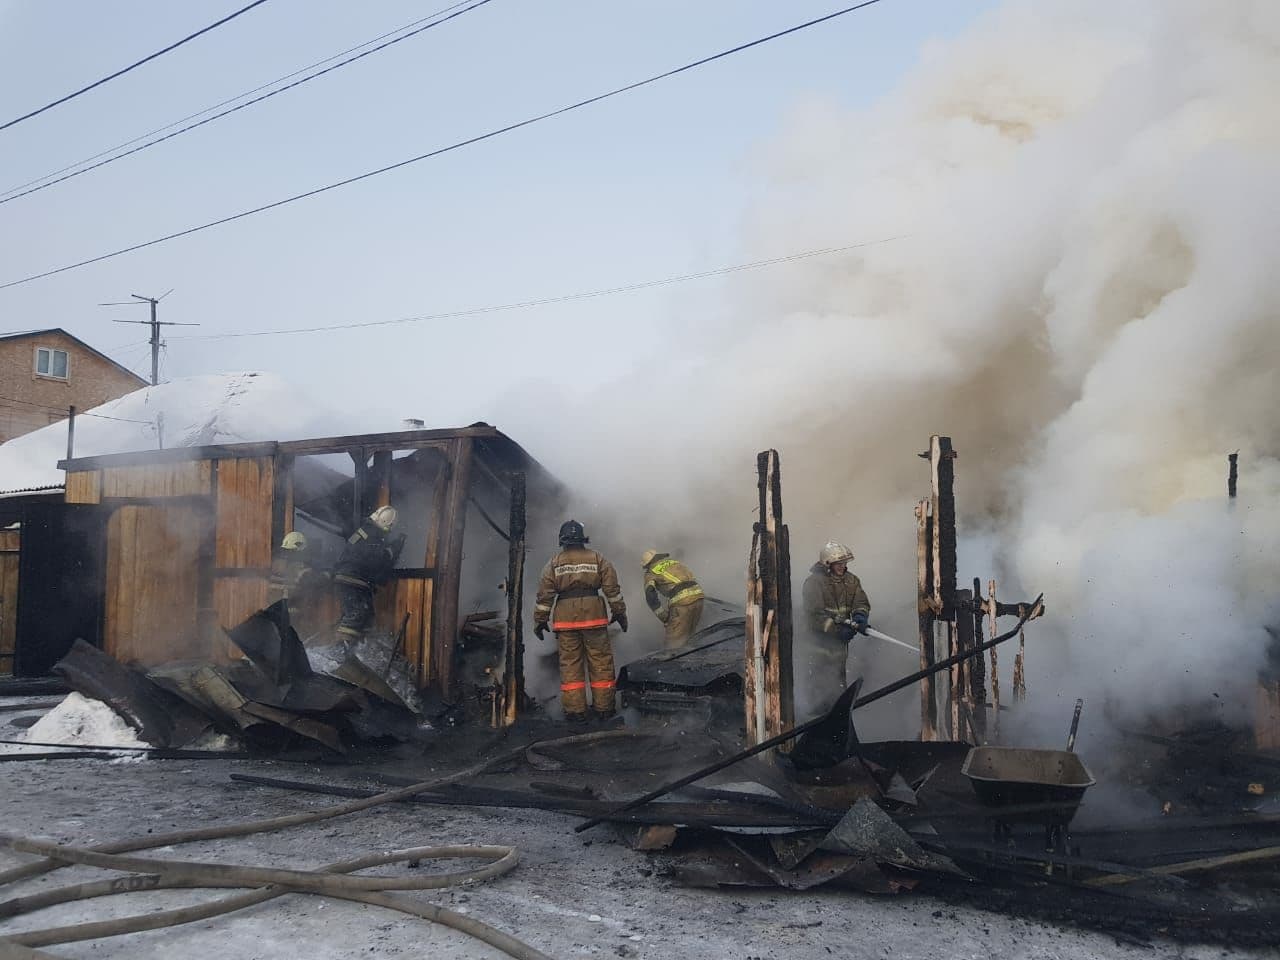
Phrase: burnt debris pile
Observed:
(277, 695)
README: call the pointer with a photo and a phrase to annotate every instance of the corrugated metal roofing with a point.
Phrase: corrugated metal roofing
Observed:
(27, 491)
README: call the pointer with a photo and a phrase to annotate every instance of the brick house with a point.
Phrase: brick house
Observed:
(43, 372)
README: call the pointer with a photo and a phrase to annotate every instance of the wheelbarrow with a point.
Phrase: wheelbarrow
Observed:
(1017, 777)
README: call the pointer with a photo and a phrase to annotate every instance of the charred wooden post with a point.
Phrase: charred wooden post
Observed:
(444, 616)
(1019, 675)
(977, 690)
(513, 674)
(966, 724)
(381, 478)
(359, 484)
(926, 617)
(769, 700)
(938, 589)
(963, 611)
(942, 466)
(995, 663)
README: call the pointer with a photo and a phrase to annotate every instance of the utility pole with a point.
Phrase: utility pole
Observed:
(155, 325)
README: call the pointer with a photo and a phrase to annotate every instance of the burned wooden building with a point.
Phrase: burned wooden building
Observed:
(175, 546)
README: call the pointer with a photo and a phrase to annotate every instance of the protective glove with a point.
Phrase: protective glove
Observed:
(859, 622)
(845, 632)
(540, 631)
(621, 620)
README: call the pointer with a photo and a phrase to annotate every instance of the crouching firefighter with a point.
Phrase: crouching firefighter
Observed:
(366, 563)
(569, 600)
(836, 610)
(673, 594)
(294, 579)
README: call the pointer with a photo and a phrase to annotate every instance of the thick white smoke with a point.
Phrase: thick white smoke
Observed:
(1083, 293)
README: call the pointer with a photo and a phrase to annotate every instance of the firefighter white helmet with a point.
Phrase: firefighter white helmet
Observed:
(834, 552)
(647, 557)
(294, 540)
(384, 518)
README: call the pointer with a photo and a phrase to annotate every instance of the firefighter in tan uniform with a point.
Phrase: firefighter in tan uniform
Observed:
(572, 582)
(673, 594)
(836, 609)
(295, 580)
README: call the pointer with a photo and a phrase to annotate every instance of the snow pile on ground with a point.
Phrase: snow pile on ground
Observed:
(79, 720)
(194, 411)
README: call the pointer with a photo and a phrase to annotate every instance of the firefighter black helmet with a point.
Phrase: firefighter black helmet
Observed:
(572, 532)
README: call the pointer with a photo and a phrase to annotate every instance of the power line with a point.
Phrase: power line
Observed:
(223, 103)
(155, 325)
(238, 107)
(62, 411)
(39, 406)
(442, 150)
(132, 66)
(103, 416)
(544, 301)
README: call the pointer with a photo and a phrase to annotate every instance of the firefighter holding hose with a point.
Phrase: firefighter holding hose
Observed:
(836, 610)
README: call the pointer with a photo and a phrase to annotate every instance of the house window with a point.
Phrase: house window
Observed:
(51, 363)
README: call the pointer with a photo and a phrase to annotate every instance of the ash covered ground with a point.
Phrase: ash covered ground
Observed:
(571, 896)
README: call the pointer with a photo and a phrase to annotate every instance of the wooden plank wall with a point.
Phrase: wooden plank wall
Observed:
(244, 492)
(151, 582)
(188, 478)
(83, 486)
(9, 541)
(398, 597)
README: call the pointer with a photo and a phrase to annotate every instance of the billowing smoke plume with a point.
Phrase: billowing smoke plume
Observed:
(1082, 289)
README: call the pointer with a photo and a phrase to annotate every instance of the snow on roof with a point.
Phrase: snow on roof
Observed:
(194, 412)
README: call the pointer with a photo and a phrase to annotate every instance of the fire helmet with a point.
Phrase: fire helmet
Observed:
(384, 518)
(834, 552)
(572, 533)
(648, 557)
(294, 540)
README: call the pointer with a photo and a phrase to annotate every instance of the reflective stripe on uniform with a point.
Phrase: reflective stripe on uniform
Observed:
(690, 593)
(542, 608)
(580, 685)
(580, 624)
(601, 684)
(685, 589)
(566, 569)
(661, 568)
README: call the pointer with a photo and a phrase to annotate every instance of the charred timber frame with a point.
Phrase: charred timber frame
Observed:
(513, 672)
(940, 601)
(444, 613)
(769, 701)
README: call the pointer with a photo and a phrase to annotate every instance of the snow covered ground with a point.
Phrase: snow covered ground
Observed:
(571, 896)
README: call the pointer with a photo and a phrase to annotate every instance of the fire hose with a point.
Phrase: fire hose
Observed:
(873, 632)
(331, 881)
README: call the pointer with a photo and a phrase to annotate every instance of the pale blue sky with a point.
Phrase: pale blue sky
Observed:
(650, 184)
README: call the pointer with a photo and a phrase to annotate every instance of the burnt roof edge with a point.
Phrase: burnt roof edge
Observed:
(397, 440)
